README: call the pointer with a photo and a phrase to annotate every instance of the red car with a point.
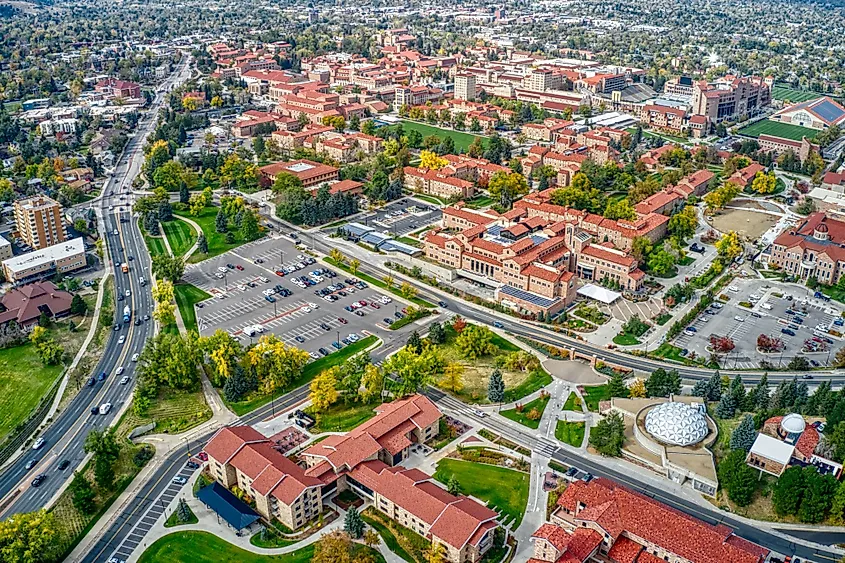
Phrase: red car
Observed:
(375, 305)
(280, 273)
(342, 321)
(239, 267)
(405, 310)
(203, 456)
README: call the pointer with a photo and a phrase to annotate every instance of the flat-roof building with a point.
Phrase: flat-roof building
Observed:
(64, 257)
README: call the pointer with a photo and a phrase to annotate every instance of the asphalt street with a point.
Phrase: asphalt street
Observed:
(65, 437)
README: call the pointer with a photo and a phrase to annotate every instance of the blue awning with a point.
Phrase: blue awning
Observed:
(234, 511)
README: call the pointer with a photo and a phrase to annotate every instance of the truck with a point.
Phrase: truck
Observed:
(126, 314)
(125, 268)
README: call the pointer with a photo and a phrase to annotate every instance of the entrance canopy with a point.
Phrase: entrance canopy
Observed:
(599, 293)
(234, 511)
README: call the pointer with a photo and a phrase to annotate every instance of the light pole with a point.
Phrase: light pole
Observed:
(338, 336)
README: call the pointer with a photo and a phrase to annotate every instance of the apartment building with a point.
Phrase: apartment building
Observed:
(665, 118)
(604, 522)
(242, 457)
(309, 172)
(39, 221)
(465, 87)
(548, 130)
(813, 249)
(780, 145)
(63, 257)
(542, 79)
(730, 97)
(673, 198)
(415, 95)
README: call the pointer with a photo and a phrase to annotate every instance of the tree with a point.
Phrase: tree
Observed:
(743, 436)
(640, 249)
(620, 209)
(726, 407)
(334, 547)
(837, 441)
(788, 490)
(105, 449)
(30, 537)
(737, 478)
(324, 389)
(372, 383)
(608, 435)
(714, 387)
(337, 256)
(431, 161)
(507, 187)
(170, 268)
(371, 538)
(184, 194)
(249, 226)
(637, 389)
(660, 262)
(170, 360)
(453, 485)
(238, 384)
(818, 495)
(388, 279)
(354, 265)
(436, 334)
(78, 306)
(662, 383)
(408, 291)
(729, 246)
(221, 222)
(353, 524)
(496, 387)
(684, 223)
(83, 495)
(764, 183)
(183, 513)
(453, 377)
(720, 197)
(412, 371)
(475, 341)
(202, 244)
(435, 553)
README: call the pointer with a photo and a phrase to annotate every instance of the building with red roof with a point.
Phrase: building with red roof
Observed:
(25, 304)
(744, 176)
(604, 521)
(309, 172)
(789, 440)
(813, 249)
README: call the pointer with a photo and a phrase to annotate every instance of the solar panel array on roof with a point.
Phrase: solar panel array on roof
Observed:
(527, 297)
(494, 230)
(539, 239)
(828, 111)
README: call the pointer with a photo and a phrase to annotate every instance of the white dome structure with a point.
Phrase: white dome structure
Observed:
(793, 424)
(676, 423)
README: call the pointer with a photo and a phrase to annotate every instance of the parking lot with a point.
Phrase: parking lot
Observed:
(403, 216)
(249, 298)
(789, 314)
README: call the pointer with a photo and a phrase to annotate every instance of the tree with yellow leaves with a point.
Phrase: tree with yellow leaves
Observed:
(720, 197)
(337, 256)
(764, 183)
(637, 389)
(324, 389)
(453, 377)
(275, 364)
(354, 265)
(435, 553)
(729, 246)
(216, 102)
(165, 311)
(189, 103)
(224, 352)
(388, 280)
(30, 537)
(372, 383)
(430, 161)
(407, 290)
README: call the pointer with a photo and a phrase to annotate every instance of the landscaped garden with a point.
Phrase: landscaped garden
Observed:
(530, 413)
(571, 433)
(180, 235)
(187, 296)
(594, 395)
(217, 244)
(631, 331)
(485, 482)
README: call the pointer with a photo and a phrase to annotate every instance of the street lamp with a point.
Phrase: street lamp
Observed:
(338, 336)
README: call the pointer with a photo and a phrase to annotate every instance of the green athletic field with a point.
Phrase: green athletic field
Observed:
(784, 130)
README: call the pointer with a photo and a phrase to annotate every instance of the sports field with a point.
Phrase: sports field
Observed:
(462, 140)
(793, 95)
(784, 130)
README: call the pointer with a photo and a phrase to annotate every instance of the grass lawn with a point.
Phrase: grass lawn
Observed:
(411, 241)
(785, 130)
(269, 540)
(462, 140)
(669, 352)
(487, 482)
(569, 405)
(186, 296)
(522, 417)
(202, 547)
(308, 373)
(154, 244)
(378, 283)
(429, 199)
(180, 235)
(686, 261)
(480, 202)
(24, 380)
(342, 417)
(593, 395)
(216, 241)
(662, 318)
(787, 93)
(570, 432)
(400, 540)
(625, 339)
(173, 411)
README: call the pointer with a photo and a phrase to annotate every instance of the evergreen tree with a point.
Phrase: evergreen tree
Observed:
(737, 391)
(184, 195)
(230, 237)
(436, 334)
(353, 524)
(249, 226)
(183, 513)
(818, 496)
(616, 386)
(414, 342)
(737, 478)
(83, 494)
(221, 222)
(238, 384)
(165, 211)
(743, 436)
(714, 387)
(788, 490)
(496, 387)
(700, 388)
(202, 244)
(762, 394)
(726, 407)
(453, 485)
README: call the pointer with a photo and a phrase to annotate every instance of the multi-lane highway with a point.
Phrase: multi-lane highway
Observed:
(65, 437)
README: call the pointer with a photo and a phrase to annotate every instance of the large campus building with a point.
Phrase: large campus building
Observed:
(813, 249)
(604, 522)
(730, 97)
(532, 253)
(819, 114)
(39, 222)
(366, 460)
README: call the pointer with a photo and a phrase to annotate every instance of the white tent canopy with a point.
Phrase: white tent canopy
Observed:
(599, 293)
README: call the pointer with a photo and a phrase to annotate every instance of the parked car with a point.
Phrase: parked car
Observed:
(788, 332)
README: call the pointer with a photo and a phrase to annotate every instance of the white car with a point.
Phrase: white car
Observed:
(739, 319)
(733, 288)
(263, 279)
(313, 305)
(241, 287)
(222, 269)
(754, 297)
(105, 408)
(135, 357)
(122, 339)
(119, 370)
(38, 443)
(128, 293)
(353, 337)
(124, 380)
(766, 306)
(268, 292)
(314, 355)
(327, 298)
(705, 319)
(306, 309)
(300, 257)
(350, 289)
(218, 275)
(688, 332)
(386, 299)
(716, 305)
(220, 296)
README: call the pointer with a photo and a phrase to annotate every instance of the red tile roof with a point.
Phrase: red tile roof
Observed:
(24, 303)
(618, 509)
(625, 550)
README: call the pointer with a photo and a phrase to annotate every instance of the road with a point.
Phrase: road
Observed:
(65, 437)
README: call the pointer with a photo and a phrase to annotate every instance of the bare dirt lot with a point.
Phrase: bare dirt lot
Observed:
(748, 224)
